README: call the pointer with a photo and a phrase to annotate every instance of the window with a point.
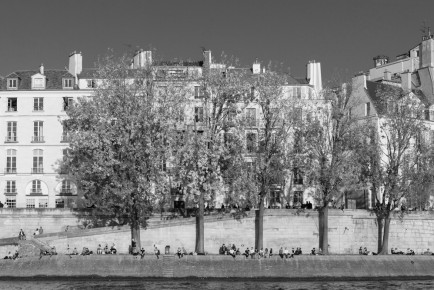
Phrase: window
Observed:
(12, 84)
(38, 161)
(11, 135)
(274, 196)
(12, 104)
(38, 104)
(67, 102)
(298, 142)
(67, 83)
(30, 203)
(38, 83)
(38, 131)
(43, 203)
(198, 93)
(298, 198)
(367, 109)
(91, 84)
(198, 114)
(11, 187)
(11, 201)
(60, 203)
(298, 177)
(66, 187)
(36, 187)
(251, 117)
(251, 142)
(11, 161)
(296, 92)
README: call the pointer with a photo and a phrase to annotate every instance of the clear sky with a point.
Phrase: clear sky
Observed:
(344, 35)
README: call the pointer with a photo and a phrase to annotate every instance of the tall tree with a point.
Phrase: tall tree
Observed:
(324, 153)
(399, 161)
(205, 156)
(119, 140)
(268, 122)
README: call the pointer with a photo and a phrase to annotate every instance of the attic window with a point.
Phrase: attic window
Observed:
(38, 83)
(67, 83)
(12, 84)
(367, 109)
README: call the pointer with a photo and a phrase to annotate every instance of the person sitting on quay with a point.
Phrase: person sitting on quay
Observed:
(106, 249)
(238, 252)
(15, 256)
(320, 252)
(113, 249)
(266, 253)
(270, 252)
(99, 250)
(232, 253)
(261, 253)
(286, 253)
(361, 250)
(428, 252)
(179, 253)
(398, 252)
(252, 253)
(246, 252)
(41, 231)
(156, 252)
(36, 233)
(8, 256)
(142, 253)
(53, 251)
(86, 252)
(75, 251)
(21, 235)
(368, 253)
(410, 252)
(222, 250)
(184, 251)
(299, 251)
(313, 252)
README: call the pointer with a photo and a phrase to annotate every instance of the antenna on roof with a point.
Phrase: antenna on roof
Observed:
(426, 30)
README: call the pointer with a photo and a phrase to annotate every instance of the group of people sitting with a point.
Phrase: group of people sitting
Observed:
(11, 256)
(106, 250)
(47, 252)
(256, 254)
(399, 252)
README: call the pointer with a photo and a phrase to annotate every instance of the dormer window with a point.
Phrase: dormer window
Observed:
(91, 84)
(67, 83)
(38, 81)
(12, 84)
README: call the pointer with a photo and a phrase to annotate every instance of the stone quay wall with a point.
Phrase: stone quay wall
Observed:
(300, 268)
(348, 230)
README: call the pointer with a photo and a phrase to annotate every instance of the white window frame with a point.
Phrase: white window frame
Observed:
(38, 104)
(11, 131)
(11, 201)
(68, 83)
(30, 203)
(12, 83)
(43, 203)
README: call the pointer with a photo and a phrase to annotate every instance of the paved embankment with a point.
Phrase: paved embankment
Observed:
(302, 267)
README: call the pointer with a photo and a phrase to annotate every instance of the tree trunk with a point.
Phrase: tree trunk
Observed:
(324, 229)
(200, 234)
(385, 246)
(380, 233)
(135, 232)
(259, 224)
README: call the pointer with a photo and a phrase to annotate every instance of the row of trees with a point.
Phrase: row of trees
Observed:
(135, 123)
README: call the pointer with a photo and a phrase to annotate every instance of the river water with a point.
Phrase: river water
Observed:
(214, 284)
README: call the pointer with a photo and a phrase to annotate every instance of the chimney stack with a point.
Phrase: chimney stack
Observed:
(313, 75)
(41, 69)
(75, 63)
(359, 81)
(406, 81)
(426, 52)
(387, 75)
(142, 58)
(256, 69)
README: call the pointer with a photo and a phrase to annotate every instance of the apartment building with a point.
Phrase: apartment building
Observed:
(34, 141)
(411, 76)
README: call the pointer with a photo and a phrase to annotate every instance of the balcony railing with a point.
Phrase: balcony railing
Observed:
(36, 191)
(37, 170)
(37, 139)
(10, 191)
(66, 192)
(11, 139)
(11, 170)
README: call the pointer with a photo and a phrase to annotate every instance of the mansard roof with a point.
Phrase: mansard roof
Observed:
(53, 77)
